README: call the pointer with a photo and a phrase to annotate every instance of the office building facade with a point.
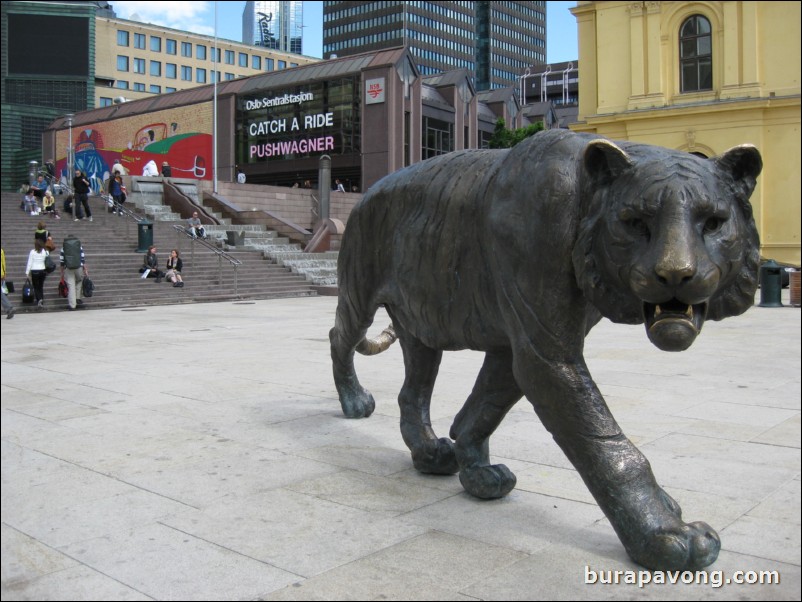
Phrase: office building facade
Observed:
(494, 41)
(274, 24)
(371, 114)
(552, 93)
(92, 59)
(138, 60)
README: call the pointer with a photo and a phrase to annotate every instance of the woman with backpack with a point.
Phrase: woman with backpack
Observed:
(43, 234)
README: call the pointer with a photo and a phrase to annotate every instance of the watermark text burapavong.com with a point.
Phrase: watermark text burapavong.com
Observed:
(714, 579)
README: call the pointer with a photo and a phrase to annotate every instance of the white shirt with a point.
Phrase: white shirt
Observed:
(150, 169)
(241, 177)
(36, 261)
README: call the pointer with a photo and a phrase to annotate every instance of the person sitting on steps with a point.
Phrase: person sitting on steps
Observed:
(174, 266)
(194, 226)
(151, 262)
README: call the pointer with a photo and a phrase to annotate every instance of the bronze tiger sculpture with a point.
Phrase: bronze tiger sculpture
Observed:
(519, 253)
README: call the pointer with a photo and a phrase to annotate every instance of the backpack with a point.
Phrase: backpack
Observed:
(50, 265)
(72, 253)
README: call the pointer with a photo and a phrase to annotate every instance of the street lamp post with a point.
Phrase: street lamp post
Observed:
(69, 117)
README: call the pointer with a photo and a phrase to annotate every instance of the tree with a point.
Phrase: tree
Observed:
(504, 138)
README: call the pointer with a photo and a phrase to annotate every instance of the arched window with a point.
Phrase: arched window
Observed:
(695, 55)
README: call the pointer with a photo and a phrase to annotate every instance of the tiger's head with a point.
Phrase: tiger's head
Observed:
(667, 238)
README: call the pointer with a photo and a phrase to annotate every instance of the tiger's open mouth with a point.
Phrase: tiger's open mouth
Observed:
(673, 325)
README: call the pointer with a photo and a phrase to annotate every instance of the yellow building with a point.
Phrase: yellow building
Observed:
(136, 60)
(702, 77)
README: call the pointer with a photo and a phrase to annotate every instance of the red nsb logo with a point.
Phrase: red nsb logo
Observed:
(375, 90)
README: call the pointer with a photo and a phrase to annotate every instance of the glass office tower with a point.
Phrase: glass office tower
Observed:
(495, 41)
(273, 24)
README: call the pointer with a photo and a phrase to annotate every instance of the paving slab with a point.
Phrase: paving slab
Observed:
(198, 452)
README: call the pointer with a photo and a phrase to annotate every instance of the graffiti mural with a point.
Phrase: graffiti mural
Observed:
(180, 137)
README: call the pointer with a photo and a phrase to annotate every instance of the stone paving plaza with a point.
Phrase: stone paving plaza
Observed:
(197, 452)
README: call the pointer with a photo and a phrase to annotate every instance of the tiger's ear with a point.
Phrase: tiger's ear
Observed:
(604, 161)
(742, 162)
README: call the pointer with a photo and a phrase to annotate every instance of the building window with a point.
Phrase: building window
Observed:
(229, 57)
(122, 63)
(168, 89)
(170, 70)
(200, 76)
(269, 65)
(139, 41)
(139, 65)
(186, 73)
(122, 84)
(256, 62)
(155, 89)
(696, 55)
(229, 76)
(243, 59)
(156, 68)
(155, 44)
(172, 46)
(105, 101)
(122, 38)
(200, 52)
(138, 87)
(438, 137)
(282, 65)
(186, 49)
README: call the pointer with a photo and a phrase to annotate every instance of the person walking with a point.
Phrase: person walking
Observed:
(167, 171)
(80, 185)
(117, 191)
(37, 272)
(7, 305)
(73, 270)
(41, 233)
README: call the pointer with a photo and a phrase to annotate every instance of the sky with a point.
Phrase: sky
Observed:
(199, 17)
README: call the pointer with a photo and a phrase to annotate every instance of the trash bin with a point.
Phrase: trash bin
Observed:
(145, 234)
(771, 280)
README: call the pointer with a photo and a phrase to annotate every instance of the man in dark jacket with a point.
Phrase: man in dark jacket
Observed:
(80, 185)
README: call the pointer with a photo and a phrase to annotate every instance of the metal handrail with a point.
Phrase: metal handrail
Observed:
(120, 208)
(219, 252)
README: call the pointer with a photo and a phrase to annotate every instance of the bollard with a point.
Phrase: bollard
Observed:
(771, 280)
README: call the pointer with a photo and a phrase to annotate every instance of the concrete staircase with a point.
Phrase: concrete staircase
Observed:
(111, 244)
(319, 269)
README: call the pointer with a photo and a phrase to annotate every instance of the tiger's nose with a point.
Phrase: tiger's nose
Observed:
(675, 273)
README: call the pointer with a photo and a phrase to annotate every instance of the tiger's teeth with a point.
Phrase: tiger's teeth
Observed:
(657, 311)
(689, 312)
